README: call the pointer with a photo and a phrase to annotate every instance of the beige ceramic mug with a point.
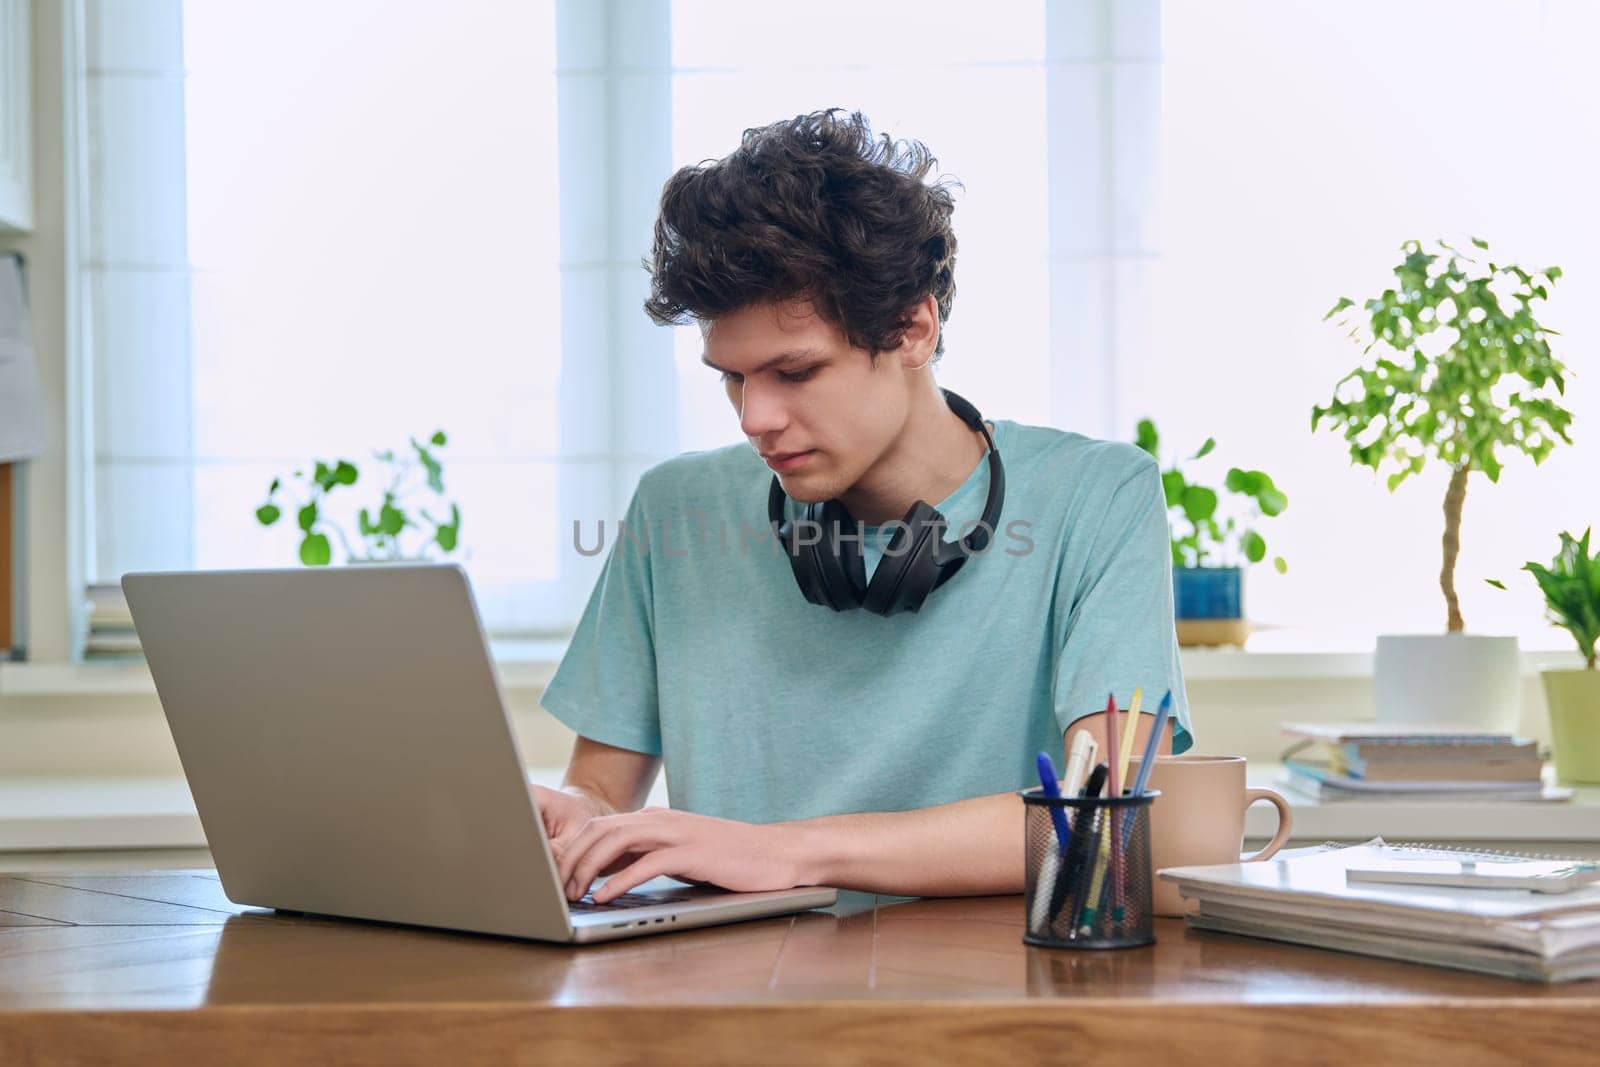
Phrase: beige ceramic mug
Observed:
(1199, 818)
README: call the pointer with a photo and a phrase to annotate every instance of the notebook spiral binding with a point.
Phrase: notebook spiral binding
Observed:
(1461, 852)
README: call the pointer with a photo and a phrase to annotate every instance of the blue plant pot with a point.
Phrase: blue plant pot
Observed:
(1208, 592)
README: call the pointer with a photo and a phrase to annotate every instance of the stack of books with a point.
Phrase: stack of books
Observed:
(1344, 761)
(1308, 897)
(111, 634)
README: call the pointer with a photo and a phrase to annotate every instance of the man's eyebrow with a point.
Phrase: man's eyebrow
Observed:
(782, 359)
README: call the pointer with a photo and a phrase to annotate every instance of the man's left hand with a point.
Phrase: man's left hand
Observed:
(637, 846)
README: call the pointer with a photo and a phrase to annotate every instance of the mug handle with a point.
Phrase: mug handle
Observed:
(1285, 822)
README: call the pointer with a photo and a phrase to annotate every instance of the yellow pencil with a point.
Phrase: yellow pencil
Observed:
(1128, 733)
(1103, 863)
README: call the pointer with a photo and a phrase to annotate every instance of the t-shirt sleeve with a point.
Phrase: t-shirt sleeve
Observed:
(605, 688)
(1119, 623)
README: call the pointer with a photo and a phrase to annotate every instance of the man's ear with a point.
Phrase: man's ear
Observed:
(921, 337)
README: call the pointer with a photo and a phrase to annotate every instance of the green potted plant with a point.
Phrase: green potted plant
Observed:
(382, 533)
(1571, 588)
(1210, 548)
(1460, 369)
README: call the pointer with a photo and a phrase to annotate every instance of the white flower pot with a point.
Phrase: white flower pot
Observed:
(1447, 680)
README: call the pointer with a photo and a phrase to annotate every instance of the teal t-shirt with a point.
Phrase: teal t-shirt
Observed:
(697, 644)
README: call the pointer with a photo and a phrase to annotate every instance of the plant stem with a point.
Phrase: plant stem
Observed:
(1454, 497)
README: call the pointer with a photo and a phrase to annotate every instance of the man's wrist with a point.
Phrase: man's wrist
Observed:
(811, 847)
(594, 796)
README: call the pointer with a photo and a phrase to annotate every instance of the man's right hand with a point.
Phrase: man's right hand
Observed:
(565, 813)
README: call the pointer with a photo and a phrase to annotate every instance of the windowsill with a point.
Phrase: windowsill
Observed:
(527, 666)
(523, 666)
(97, 812)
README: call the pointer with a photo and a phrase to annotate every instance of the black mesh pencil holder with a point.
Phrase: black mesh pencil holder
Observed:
(1095, 892)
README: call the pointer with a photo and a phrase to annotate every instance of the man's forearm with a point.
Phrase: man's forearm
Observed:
(966, 848)
(615, 779)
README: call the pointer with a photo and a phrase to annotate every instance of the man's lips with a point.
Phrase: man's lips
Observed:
(781, 461)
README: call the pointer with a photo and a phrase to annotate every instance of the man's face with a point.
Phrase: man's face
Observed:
(819, 410)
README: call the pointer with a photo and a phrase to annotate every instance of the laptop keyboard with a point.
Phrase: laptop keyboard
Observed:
(623, 902)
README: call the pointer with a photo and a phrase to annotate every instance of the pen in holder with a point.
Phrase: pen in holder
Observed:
(1095, 893)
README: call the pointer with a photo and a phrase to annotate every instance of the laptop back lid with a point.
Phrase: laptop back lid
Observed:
(347, 745)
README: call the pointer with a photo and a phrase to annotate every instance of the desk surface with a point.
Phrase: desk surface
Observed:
(105, 968)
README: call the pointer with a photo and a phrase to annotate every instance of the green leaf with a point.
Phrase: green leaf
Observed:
(1146, 437)
(1254, 545)
(1205, 449)
(308, 516)
(345, 473)
(438, 438)
(1173, 485)
(315, 551)
(273, 488)
(1199, 502)
(1481, 243)
(1497, 583)
(1280, 564)
(365, 524)
(1237, 481)
(446, 536)
(267, 514)
(323, 476)
(1272, 502)
(1344, 302)
(391, 520)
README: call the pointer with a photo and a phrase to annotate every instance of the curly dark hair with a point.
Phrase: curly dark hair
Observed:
(814, 207)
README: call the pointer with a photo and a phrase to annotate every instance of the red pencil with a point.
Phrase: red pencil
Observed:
(1114, 789)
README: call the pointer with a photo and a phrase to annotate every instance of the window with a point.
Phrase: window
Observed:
(949, 66)
(337, 230)
(1301, 143)
(316, 230)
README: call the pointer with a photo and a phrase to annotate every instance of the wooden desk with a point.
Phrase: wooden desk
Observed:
(160, 967)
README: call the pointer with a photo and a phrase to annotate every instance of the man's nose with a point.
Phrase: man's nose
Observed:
(761, 411)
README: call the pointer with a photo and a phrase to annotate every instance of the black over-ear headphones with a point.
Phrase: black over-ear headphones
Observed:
(917, 560)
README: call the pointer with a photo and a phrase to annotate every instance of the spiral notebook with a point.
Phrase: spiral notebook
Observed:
(1304, 896)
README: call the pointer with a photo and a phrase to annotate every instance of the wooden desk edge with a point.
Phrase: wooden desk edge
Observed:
(1453, 1030)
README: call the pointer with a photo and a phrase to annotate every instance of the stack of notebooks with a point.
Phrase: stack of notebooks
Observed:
(1309, 897)
(111, 634)
(1342, 761)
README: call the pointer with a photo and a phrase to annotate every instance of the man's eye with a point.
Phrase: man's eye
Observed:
(799, 375)
(729, 376)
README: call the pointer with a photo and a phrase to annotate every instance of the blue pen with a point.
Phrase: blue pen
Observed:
(1047, 782)
(1147, 762)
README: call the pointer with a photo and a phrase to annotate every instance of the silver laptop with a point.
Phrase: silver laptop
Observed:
(350, 754)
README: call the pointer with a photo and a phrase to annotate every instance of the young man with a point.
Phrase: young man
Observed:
(810, 746)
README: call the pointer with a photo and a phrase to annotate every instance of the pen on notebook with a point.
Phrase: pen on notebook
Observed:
(1050, 865)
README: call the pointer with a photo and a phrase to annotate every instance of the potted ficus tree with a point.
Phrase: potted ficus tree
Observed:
(1211, 544)
(1460, 370)
(1571, 588)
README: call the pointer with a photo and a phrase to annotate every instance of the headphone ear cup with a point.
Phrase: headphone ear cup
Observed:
(840, 564)
(909, 570)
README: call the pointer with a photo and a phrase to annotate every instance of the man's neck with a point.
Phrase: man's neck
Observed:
(933, 455)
